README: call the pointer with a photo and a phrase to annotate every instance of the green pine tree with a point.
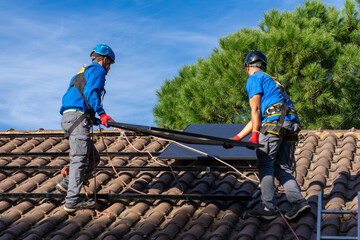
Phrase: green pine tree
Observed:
(314, 51)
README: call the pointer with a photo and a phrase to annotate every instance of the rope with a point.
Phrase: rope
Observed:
(160, 163)
(216, 158)
(348, 118)
(287, 223)
(189, 148)
(112, 165)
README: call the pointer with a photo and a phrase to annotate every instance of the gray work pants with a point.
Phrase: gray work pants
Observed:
(275, 160)
(82, 155)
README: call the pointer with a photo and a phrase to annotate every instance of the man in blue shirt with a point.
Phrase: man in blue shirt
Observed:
(80, 103)
(274, 125)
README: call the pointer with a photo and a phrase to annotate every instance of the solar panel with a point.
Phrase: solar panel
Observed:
(174, 151)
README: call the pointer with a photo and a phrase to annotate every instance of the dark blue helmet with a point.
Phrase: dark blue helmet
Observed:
(104, 50)
(255, 56)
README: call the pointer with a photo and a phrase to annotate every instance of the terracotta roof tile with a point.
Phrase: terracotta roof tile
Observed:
(330, 226)
(249, 229)
(327, 161)
(12, 144)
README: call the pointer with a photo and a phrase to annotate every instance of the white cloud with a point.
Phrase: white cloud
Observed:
(44, 43)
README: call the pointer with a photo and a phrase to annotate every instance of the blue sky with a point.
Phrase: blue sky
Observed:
(44, 43)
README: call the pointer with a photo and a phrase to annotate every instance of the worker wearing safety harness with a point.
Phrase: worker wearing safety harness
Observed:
(274, 124)
(80, 104)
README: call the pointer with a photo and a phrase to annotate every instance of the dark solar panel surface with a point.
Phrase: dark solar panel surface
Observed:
(174, 151)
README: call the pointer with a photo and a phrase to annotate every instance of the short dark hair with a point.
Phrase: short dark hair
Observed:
(95, 57)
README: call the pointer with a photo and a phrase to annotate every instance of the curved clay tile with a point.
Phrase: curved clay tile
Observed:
(321, 161)
(339, 171)
(151, 220)
(100, 143)
(342, 162)
(303, 231)
(221, 232)
(3, 141)
(21, 161)
(339, 189)
(312, 138)
(336, 201)
(117, 146)
(351, 228)
(348, 138)
(348, 154)
(97, 226)
(249, 228)
(169, 232)
(302, 161)
(308, 146)
(154, 146)
(14, 214)
(47, 144)
(12, 144)
(316, 183)
(12, 181)
(29, 219)
(330, 225)
(319, 170)
(27, 146)
(247, 188)
(276, 229)
(329, 138)
(346, 147)
(72, 227)
(301, 172)
(195, 233)
(326, 146)
(325, 153)
(306, 154)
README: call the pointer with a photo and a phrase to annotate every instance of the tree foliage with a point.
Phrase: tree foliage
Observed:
(314, 51)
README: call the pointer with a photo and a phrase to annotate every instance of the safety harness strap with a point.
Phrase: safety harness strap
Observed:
(275, 110)
(276, 127)
(75, 124)
(79, 83)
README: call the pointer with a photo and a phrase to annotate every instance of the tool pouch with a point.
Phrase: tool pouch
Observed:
(273, 128)
(282, 133)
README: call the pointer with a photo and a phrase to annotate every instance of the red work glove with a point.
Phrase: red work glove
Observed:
(237, 138)
(254, 138)
(229, 146)
(105, 118)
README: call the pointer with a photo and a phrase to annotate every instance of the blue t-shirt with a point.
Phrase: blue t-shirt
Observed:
(261, 83)
(94, 88)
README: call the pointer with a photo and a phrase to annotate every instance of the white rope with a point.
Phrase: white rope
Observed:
(205, 154)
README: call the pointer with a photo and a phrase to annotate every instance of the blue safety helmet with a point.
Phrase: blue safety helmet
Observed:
(104, 50)
(255, 56)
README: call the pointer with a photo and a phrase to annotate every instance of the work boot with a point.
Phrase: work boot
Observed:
(261, 212)
(80, 205)
(297, 210)
(62, 186)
